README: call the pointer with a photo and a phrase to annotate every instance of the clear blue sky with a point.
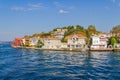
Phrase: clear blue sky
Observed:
(22, 17)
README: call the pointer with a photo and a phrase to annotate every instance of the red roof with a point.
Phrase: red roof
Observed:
(17, 42)
(78, 35)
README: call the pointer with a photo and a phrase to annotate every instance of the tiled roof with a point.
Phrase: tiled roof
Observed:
(78, 35)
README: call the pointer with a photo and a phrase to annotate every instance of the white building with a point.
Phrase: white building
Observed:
(107, 35)
(59, 33)
(33, 41)
(51, 43)
(76, 41)
(99, 41)
(64, 46)
(24, 40)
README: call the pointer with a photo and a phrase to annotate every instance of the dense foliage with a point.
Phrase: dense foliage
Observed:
(116, 29)
(112, 41)
(91, 30)
(116, 32)
(39, 44)
(27, 43)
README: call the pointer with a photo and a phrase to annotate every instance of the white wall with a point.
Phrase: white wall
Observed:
(51, 44)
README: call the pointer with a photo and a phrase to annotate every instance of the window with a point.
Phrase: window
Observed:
(68, 45)
(77, 46)
(73, 38)
(73, 46)
(76, 39)
(73, 41)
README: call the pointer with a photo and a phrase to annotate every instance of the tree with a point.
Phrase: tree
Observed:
(55, 29)
(35, 35)
(112, 41)
(91, 29)
(26, 36)
(116, 31)
(79, 27)
(27, 43)
(40, 44)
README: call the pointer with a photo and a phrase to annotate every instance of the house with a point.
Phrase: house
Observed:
(51, 43)
(25, 41)
(107, 35)
(59, 33)
(33, 41)
(95, 42)
(17, 42)
(76, 41)
(99, 41)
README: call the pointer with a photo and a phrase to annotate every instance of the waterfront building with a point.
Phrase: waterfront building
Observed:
(64, 46)
(107, 35)
(17, 42)
(51, 43)
(99, 41)
(76, 41)
(33, 41)
(25, 42)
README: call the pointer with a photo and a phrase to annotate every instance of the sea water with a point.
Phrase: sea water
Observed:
(29, 64)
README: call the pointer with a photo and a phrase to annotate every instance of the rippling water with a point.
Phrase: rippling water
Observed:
(23, 64)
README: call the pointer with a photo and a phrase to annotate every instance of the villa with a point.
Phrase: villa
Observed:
(51, 43)
(25, 40)
(99, 42)
(76, 41)
(33, 41)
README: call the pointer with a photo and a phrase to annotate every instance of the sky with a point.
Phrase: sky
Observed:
(26, 17)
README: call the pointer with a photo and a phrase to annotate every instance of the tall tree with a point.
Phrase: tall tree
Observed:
(92, 29)
(116, 31)
(112, 41)
(27, 43)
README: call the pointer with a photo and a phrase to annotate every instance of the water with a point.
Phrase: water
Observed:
(23, 64)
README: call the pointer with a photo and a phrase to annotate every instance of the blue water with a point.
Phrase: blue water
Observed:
(23, 64)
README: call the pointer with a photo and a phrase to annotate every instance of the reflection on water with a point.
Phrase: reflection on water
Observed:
(23, 64)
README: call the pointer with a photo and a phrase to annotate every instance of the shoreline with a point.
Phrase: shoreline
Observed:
(73, 50)
(103, 49)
